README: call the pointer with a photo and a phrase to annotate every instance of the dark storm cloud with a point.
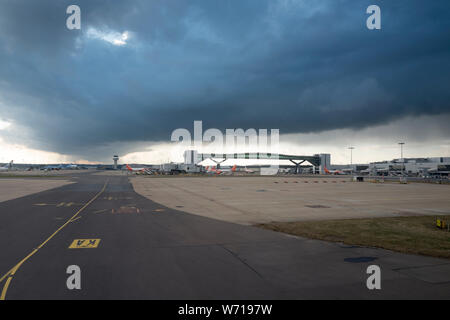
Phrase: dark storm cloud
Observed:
(301, 66)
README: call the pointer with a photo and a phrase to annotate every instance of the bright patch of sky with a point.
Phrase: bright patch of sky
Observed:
(4, 124)
(113, 37)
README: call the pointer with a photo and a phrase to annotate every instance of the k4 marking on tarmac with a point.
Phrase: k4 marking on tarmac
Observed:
(85, 244)
(60, 204)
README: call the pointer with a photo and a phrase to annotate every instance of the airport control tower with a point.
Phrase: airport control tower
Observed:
(115, 158)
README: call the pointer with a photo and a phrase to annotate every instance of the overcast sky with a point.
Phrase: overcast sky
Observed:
(139, 69)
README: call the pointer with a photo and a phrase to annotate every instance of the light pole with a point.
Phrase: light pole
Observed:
(351, 159)
(401, 154)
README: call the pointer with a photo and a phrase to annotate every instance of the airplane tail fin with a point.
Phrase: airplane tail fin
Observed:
(233, 169)
(326, 170)
(128, 167)
(11, 163)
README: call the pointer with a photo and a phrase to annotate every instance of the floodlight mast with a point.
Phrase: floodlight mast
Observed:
(351, 159)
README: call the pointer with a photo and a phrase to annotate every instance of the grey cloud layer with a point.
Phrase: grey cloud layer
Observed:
(301, 66)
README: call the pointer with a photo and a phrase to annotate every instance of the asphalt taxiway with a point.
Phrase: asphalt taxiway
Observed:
(129, 247)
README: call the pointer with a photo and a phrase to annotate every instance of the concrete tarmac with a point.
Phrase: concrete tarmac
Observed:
(12, 188)
(148, 251)
(253, 200)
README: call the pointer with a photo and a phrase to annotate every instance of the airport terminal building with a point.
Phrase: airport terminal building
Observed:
(435, 166)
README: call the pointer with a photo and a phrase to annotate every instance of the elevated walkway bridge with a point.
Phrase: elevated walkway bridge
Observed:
(318, 160)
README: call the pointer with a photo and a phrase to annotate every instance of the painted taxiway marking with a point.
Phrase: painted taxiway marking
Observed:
(58, 205)
(116, 198)
(126, 209)
(159, 210)
(100, 211)
(84, 244)
(10, 274)
(75, 219)
(123, 209)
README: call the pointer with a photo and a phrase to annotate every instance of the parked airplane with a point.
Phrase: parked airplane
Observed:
(138, 170)
(246, 170)
(60, 167)
(70, 166)
(210, 169)
(337, 172)
(214, 170)
(49, 168)
(7, 167)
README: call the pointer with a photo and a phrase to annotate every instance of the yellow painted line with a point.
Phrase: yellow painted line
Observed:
(84, 244)
(159, 210)
(13, 271)
(6, 274)
(75, 219)
(2, 297)
(100, 211)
